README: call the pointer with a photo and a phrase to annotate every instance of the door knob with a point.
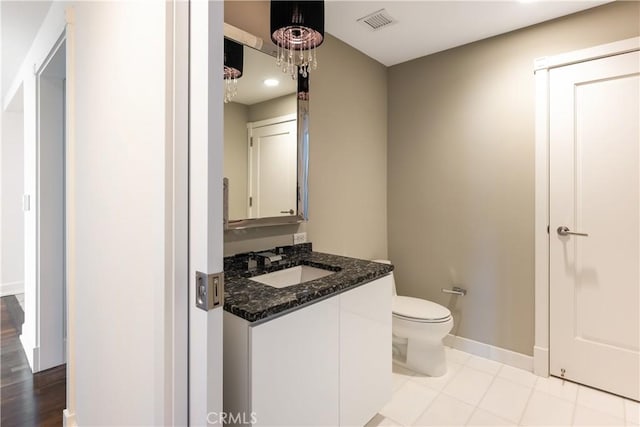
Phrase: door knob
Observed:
(563, 230)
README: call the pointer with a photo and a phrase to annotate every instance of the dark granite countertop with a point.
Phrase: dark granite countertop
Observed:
(256, 302)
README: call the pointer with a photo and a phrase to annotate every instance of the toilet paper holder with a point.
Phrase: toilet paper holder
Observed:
(455, 291)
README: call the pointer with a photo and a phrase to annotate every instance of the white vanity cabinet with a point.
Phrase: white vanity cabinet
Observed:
(294, 371)
(328, 363)
(365, 351)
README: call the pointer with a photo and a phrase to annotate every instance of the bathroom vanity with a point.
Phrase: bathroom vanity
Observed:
(313, 353)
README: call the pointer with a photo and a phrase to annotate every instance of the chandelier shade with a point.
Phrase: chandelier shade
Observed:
(233, 59)
(297, 29)
(233, 63)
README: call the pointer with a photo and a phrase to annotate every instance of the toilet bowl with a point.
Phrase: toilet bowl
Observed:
(420, 326)
(423, 324)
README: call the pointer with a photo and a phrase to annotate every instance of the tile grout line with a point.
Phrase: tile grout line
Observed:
(412, 423)
(487, 390)
(476, 406)
(495, 376)
(439, 392)
(502, 366)
(575, 407)
(391, 419)
(526, 406)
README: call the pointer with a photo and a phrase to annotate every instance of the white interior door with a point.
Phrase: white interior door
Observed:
(595, 189)
(205, 207)
(273, 172)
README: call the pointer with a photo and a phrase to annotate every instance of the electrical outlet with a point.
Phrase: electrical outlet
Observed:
(299, 238)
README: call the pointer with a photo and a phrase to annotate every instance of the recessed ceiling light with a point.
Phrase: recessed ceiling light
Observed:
(271, 82)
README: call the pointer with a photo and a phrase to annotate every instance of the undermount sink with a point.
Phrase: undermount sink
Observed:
(292, 276)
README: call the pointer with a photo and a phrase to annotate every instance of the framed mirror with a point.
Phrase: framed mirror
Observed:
(266, 142)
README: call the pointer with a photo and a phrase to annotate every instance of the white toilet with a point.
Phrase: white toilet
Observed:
(420, 325)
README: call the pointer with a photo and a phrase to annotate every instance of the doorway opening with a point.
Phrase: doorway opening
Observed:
(51, 212)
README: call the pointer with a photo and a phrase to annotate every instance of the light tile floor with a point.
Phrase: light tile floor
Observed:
(480, 392)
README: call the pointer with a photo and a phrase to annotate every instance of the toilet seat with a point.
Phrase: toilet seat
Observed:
(414, 320)
(419, 310)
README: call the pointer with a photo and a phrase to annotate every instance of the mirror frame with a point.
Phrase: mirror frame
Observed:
(302, 188)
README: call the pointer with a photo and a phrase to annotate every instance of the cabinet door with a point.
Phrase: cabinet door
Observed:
(294, 367)
(365, 351)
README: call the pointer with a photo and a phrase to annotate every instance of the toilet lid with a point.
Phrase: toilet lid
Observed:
(417, 308)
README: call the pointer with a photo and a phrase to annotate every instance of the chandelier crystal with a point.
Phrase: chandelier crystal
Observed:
(297, 29)
(233, 62)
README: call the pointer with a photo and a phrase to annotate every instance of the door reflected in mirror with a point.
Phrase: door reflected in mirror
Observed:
(260, 141)
(272, 167)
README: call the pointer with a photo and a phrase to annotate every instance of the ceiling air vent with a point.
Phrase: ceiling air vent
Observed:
(376, 20)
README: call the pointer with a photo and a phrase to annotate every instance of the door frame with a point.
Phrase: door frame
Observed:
(54, 314)
(205, 186)
(542, 66)
(42, 50)
(176, 400)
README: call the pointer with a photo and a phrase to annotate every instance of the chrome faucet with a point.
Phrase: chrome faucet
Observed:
(265, 259)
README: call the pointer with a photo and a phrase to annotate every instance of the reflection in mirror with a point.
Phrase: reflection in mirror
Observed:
(272, 167)
(233, 62)
(261, 144)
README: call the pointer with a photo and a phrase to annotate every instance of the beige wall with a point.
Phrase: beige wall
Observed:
(461, 171)
(236, 160)
(348, 154)
(277, 107)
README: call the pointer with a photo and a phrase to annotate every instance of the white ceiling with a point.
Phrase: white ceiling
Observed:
(19, 25)
(257, 68)
(426, 27)
(423, 27)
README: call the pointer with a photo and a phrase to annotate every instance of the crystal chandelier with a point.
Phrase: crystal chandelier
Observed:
(297, 29)
(233, 59)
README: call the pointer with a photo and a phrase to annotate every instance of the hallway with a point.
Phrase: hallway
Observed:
(27, 399)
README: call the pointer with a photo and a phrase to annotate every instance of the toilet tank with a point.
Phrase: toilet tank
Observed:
(393, 280)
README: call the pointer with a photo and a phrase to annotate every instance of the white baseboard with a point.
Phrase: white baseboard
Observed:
(541, 361)
(11, 288)
(502, 355)
(68, 419)
(32, 353)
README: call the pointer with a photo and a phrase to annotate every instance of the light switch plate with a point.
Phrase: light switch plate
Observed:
(299, 238)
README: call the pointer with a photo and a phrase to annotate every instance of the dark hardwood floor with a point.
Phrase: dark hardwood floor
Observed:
(26, 399)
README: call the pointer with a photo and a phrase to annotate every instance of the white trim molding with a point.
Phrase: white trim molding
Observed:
(602, 51)
(11, 288)
(541, 351)
(69, 415)
(32, 352)
(541, 361)
(488, 351)
(176, 374)
(68, 419)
